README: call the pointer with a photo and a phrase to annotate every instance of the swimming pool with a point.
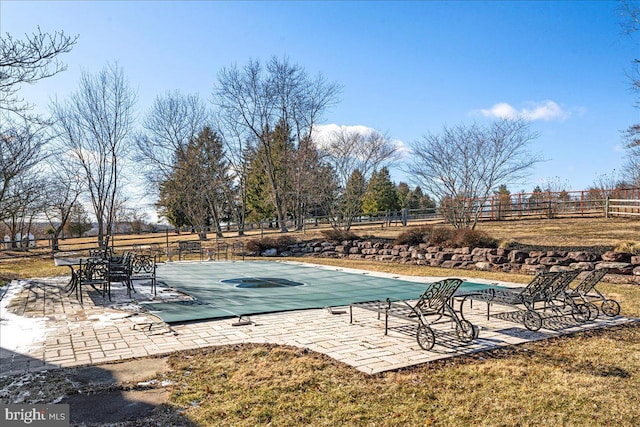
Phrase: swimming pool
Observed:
(240, 288)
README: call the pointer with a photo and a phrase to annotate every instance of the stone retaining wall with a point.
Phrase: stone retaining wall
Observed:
(621, 264)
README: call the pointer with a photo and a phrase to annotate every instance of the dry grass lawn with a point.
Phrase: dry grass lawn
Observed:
(590, 379)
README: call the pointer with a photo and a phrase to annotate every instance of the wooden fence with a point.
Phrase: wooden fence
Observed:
(622, 207)
(613, 203)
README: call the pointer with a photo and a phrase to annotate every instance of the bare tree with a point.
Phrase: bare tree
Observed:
(169, 125)
(23, 203)
(22, 134)
(254, 100)
(93, 127)
(354, 154)
(21, 149)
(464, 165)
(351, 149)
(27, 61)
(630, 10)
(63, 187)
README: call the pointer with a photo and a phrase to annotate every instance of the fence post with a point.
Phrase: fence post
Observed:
(606, 208)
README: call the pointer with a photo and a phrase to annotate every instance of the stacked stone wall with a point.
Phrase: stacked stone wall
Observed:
(624, 266)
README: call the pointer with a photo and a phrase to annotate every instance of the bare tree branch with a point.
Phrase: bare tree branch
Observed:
(27, 61)
(464, 165)
(94, 126)
(255, 100)
(172, 121)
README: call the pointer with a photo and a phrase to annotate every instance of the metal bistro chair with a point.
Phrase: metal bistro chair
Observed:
(92, 272)
(434, 303)
(143, 267)
(119, 271)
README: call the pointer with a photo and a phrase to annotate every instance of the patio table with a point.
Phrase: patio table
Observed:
(74, 264)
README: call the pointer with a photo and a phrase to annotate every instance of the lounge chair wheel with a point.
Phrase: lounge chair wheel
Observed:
(532, 320)
(466, 331)
(610, 307)
(593, 310)
(426, 338)
(581, 313)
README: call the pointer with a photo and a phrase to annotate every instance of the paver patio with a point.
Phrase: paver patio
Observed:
(42, 328)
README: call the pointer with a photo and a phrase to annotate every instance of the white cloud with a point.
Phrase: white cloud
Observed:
(323, 133)
(545, 110)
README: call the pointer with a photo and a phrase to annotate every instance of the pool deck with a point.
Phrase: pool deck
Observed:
(44, 328)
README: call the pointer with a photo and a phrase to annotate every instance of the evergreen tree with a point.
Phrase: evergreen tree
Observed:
(195, 191)
(426, 202)
(270, 175)
(381, 193)
(536, 197)
(259, 204)
(504, 200)
(404, 196)
(171, 204)
(351, 201)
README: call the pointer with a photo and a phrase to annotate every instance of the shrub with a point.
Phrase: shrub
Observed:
(472, 238)
(440, 236)
(629, 247)
(281, 243)
(284, 242)
(455, 238)
(339, 235)
(254, 245)
(413, 237)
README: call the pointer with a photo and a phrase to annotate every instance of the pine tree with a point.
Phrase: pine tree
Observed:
(351, 201)
(381, 193)
(195, 191)
(404, 196)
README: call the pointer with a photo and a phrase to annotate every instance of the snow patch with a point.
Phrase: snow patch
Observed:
(19, 334)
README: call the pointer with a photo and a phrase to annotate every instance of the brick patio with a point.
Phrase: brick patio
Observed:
(44, 328)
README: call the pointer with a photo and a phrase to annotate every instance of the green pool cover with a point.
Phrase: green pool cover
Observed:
(238, 288)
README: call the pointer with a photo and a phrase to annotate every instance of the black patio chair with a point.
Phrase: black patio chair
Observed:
(434, 304)
(587, 292)
(546, 291)
(119, 271)
(92, 272)
(143, 268)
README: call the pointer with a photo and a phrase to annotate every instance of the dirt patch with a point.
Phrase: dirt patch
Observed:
(114, 406)
(130, 393)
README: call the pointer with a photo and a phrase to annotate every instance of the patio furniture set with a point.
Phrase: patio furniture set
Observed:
(102, 268)
(548, 295)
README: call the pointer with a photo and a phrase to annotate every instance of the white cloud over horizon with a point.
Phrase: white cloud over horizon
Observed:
(323, 133)
(546, 110)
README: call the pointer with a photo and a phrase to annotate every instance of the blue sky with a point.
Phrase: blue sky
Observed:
(407, 68)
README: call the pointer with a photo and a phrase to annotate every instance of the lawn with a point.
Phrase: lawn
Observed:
(589, 379)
